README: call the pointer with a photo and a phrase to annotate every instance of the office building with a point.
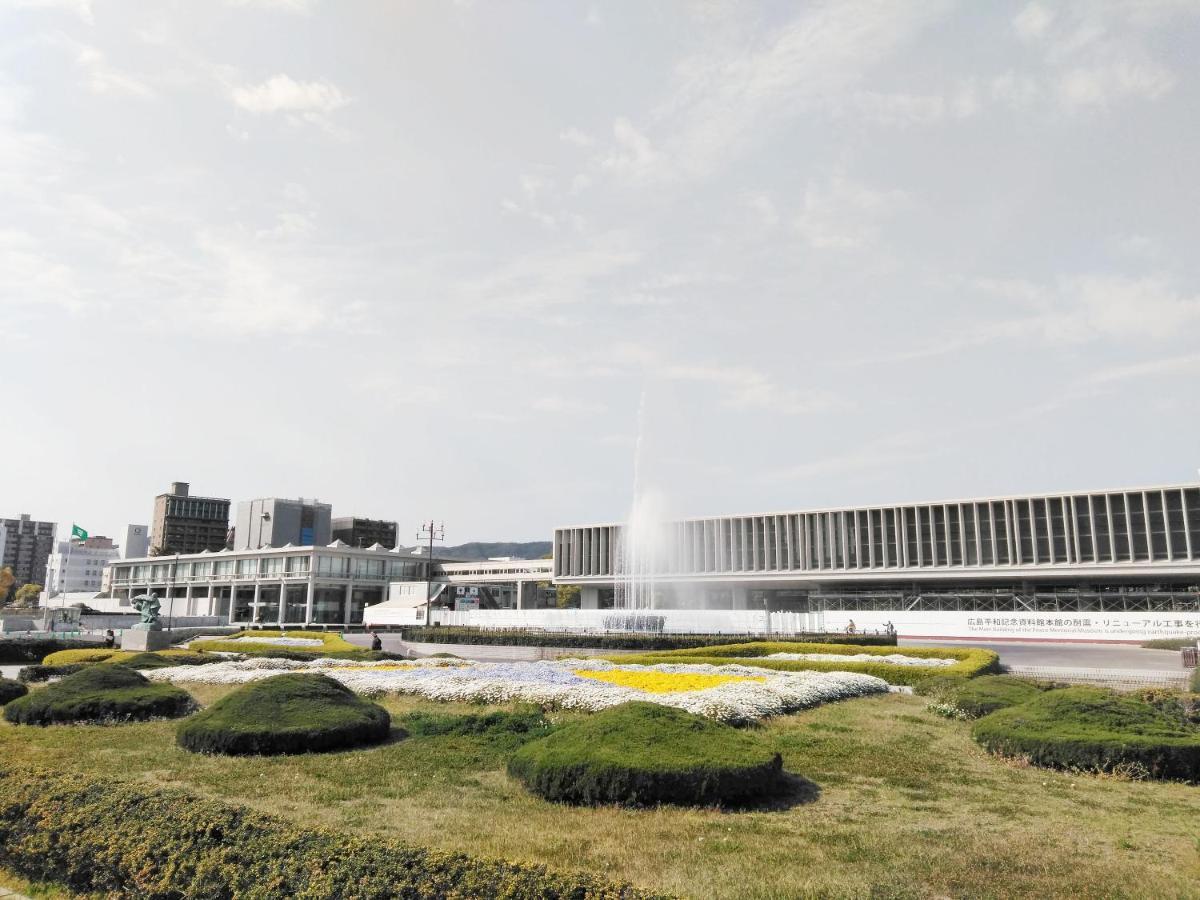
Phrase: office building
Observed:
(27, 546)
(187, 524)
(136, 543)
(272, 586)
(272, 522)
(364, 532)
(78, 566)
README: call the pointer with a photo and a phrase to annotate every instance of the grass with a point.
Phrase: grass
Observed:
(640, 754)
(976, 697)
(293, 713)
(909, 805)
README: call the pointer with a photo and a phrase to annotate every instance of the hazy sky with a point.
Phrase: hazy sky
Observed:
(426, 259)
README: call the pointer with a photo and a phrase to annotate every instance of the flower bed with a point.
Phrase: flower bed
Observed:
(729, 694)
(925, 661)
(611, 640)
(317, 643)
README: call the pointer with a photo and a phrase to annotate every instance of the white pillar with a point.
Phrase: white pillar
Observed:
(346, 604)
(308, 605)
(589, 597)
(741, 597)
(282, 604)
(254, 603)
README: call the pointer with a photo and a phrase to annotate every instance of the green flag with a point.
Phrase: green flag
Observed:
(77, 532)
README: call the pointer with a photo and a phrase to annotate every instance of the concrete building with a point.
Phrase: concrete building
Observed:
(136, 542)
(186, 524)
(272, 522)
(364, 532)
(276, 586)
(27, 546)
(78, 566)
(1106, 564)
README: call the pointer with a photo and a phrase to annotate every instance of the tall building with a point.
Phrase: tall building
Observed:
(273, 522)
(27, 546)
(136, 543)
(186, 524)
(358, 532)
(79, 565)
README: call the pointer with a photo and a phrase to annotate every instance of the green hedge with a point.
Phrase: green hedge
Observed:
(130, 840)
(33, 650)
(295, 713)
(972, 698)
(39, 673)
(455, 634)
(969, 662)
(525, 723)
(640, 754)
(1169, 643)
(11, 690)
(1194, 683)
(333, 646)
(100, 694)
(1094, 730)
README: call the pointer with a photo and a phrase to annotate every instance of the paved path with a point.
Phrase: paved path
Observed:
(6, 894)
(1070, 655)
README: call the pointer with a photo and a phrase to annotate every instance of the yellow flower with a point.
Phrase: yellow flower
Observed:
(664, 682)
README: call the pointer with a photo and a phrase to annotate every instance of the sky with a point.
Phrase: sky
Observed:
(495, 263)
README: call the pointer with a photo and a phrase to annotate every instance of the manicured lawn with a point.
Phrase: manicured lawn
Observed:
(908, 806)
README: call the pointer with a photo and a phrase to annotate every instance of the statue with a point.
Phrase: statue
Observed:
(147, 606)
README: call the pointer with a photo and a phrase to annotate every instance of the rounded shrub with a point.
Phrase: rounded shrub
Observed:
(11, 690)
(1095, 730)
(294, 713)
(100, 694)
(639, 754)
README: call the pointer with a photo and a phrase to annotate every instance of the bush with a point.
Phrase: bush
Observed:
(294, 713)
(1169, 643)
(1194, 683)
(970, 662)
(32, 650)
(126, 840)
(11, 690)
(93, 654)
(973, 698)
(617, 640)
(639, 754)
(100, 694)
(37, 673)
(1094, 730)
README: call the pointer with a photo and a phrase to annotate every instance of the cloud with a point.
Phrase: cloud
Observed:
(82, 8)
(633, 154)
(842, 214)
(1104, 85)
(1032, 22)
(1188, 364)
(283, 94)
(102, 78)
(748, 389)
(576, 137)
(303, 7)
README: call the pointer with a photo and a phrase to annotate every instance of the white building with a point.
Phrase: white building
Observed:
(78, 566)
(136, 543)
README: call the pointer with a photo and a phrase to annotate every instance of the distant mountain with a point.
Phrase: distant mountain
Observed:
(477, 550)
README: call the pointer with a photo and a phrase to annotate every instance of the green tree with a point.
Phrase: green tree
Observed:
(568, 595)
(27, 595)
(6, 582)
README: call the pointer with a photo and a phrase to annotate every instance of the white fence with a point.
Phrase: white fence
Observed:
(661, 621)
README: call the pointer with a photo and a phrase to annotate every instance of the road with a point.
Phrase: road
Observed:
(1069, 655)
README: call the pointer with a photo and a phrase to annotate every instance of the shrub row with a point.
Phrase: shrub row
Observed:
(294, 713)
(1194, 683)
(641, 754)
(11, 690)
(38, 673)
(129, 840)
(33, 650)
(100, 694)
(969, 662)
(1093, 729)
(454, 634)
(1169, 643)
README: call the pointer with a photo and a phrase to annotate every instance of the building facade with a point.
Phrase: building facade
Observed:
(76, 566)
(272, 522)
(136, 542)
(365, 532)
(187, 524)
(1095, 563)
(274, 586)
(27, 546)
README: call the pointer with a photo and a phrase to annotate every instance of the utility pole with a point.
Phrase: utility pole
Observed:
(430, 531)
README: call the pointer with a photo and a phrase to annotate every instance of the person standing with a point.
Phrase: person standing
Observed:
(376, 641)
(110, 639)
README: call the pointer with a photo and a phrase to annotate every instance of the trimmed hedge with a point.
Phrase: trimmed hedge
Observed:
(39, 673)
(973, 698)
(100, 694)
(150, 660)
(640, 754)
(1094, 730)
(970, 662)
(530, 724)
(113, 655)
(294, 713)
(129, 840)
(11, 690)
(1169, 643)
(456, 634)
(33, 650)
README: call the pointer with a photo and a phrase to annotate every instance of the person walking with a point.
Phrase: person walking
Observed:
(851, 628)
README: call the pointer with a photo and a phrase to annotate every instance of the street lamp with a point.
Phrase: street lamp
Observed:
(431, 532)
